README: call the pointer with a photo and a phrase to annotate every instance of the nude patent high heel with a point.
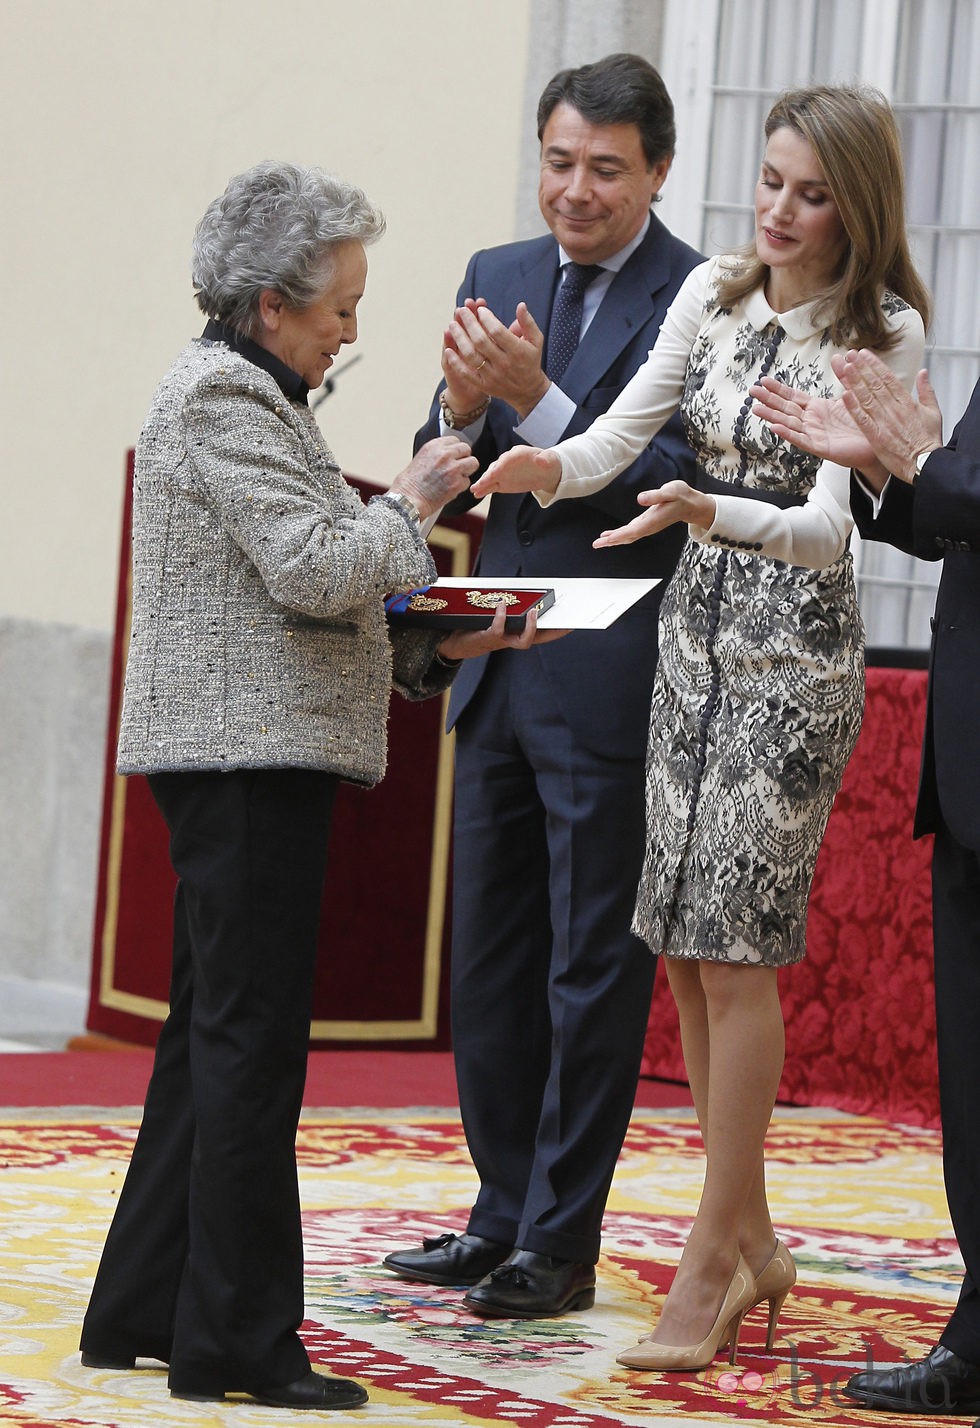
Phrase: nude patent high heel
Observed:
(673, 1358)
(774, 1283)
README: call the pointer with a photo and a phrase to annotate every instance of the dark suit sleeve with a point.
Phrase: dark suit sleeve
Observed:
(946, 508)
(893, 524)
(940, 512)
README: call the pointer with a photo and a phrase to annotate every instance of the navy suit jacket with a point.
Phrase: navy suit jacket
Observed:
(602, 679)
(939, 518)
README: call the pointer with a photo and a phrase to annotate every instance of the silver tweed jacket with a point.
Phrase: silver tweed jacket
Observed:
(258, 630)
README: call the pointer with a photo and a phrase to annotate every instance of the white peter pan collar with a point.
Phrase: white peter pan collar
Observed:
(797, 323)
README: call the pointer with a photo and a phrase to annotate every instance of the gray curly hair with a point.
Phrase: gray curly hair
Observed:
(274, 227)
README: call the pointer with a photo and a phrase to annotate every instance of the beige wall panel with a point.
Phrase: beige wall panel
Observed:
(124, 119)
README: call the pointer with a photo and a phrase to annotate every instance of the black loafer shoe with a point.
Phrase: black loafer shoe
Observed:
(533, 1286)
(448, 1259)
(313, 1390)
(940, 1383)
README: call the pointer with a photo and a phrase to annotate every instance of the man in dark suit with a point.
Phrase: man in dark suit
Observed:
(550, 988)
(924, 498)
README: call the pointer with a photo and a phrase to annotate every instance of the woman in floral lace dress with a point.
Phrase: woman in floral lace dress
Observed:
(760, 686)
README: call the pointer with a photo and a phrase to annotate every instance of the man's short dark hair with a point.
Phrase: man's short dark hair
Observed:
(620, 89)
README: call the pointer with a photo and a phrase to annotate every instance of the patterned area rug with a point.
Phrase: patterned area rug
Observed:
(860, 1204)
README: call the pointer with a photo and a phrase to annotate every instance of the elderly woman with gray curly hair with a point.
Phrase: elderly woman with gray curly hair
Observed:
(258, 677)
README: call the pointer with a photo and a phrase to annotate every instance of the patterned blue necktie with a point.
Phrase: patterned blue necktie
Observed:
(566, 316)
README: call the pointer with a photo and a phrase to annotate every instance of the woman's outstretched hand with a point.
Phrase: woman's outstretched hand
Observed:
(672, 502)
(523, 468)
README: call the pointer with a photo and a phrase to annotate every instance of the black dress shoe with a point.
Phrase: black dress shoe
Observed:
(533, 1286)
(448, 1259)
(939, 1383)
(313, 1390)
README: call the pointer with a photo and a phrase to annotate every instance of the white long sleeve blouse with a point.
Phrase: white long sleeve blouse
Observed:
(814, 534)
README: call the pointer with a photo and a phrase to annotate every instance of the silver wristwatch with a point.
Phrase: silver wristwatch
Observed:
(407, 505)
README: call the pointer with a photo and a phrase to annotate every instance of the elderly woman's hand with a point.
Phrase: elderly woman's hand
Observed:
(436, 474)
(469, 644)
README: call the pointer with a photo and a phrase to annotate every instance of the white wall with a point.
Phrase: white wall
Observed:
(123, 119)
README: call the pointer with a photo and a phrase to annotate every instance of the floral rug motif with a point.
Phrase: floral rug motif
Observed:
(860, 1203)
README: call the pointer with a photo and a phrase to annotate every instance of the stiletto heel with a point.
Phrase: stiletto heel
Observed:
(775, 1307)
(732, 1333)
(774, 1284)
(724, 1331)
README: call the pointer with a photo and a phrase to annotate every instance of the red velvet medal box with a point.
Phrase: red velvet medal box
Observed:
(455, 607)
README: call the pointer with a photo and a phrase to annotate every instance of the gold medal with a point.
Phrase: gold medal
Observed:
(490, 599)
(427, 603)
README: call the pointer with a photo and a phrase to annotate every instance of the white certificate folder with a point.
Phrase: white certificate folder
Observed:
(580, 604)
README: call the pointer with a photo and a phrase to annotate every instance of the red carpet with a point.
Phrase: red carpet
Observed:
(381, 1079)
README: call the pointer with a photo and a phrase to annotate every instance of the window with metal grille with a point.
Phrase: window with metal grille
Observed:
(724, 62)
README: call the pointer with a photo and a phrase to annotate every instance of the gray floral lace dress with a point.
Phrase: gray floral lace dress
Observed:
(759, 691)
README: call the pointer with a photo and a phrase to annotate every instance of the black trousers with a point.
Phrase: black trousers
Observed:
(956, 930)
(203, 1264)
